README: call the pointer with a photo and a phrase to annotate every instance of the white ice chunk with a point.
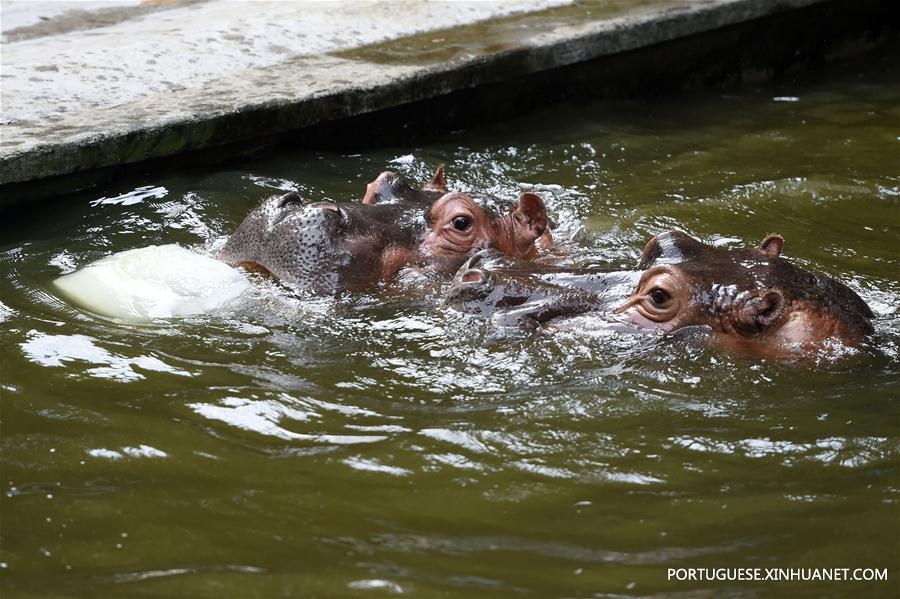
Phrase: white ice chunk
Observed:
(153, 282)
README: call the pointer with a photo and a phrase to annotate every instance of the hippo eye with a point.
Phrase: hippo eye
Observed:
(461, 223)
(660, 296)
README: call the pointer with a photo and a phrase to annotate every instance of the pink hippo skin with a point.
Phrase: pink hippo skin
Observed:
(751, 298)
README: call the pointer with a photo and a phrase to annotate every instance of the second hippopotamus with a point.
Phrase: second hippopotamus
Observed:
(324, 247)
(745, 296)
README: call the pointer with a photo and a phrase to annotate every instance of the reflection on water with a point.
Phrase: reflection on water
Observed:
(142, 451)
(382, 443)
(56, 350)
(136, 196)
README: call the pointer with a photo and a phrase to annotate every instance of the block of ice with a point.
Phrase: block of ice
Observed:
(153, 282)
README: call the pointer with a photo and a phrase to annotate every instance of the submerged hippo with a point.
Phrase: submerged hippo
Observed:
(743, 295)
(524, 294)
(325, 247)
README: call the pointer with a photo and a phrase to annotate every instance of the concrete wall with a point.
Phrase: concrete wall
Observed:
(489, 65)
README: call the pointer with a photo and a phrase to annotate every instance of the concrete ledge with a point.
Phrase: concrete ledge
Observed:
(554, 52)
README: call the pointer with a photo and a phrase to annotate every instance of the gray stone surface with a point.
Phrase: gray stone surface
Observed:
(205, 74)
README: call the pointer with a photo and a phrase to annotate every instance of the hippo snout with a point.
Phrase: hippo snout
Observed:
(471, 271)
(471, 283)
(474, 274)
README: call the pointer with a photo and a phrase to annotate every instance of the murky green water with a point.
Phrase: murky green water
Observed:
(381, 443)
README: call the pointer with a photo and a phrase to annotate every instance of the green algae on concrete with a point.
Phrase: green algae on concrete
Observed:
(499, 35)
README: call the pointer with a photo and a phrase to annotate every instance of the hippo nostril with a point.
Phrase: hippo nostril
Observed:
(477, 259)
(472, 276)
(291, 197)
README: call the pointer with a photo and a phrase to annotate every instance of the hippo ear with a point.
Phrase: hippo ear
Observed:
(381, 186)
(530, 218)
(372, 189)
(438, 182)
(369, 197)
(772, 245)
(651, 252)
(757, 312)
(673, 246)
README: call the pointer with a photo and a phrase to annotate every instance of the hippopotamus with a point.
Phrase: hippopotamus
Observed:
(744, 295)
(524, 294)
(325, 247)
(390, 188)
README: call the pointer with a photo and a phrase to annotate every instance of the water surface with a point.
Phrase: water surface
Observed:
(381, 443)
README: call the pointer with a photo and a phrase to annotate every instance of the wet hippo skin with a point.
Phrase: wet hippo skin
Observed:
(745, 296)
(324, 247)
(742, 294)
(525, 294)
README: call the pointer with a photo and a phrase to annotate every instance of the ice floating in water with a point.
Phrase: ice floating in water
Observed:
(153, 282)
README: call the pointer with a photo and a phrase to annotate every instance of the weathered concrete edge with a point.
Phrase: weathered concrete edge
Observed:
(290, 107)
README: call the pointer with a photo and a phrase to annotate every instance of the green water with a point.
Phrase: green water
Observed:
(381, 443)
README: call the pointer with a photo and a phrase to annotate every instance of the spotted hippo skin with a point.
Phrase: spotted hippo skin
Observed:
(325, 247)
(746, 296)
(322, 247)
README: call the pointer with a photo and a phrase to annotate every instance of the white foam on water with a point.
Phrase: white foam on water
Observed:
(57, 350)
(369, 465)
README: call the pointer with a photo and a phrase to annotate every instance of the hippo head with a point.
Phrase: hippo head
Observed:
(325, 247)
(742, 294)
(460, 222)
(525, 294)
(457, 224)
(320, 247)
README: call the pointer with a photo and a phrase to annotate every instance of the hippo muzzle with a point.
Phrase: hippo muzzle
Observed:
(296, 242)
